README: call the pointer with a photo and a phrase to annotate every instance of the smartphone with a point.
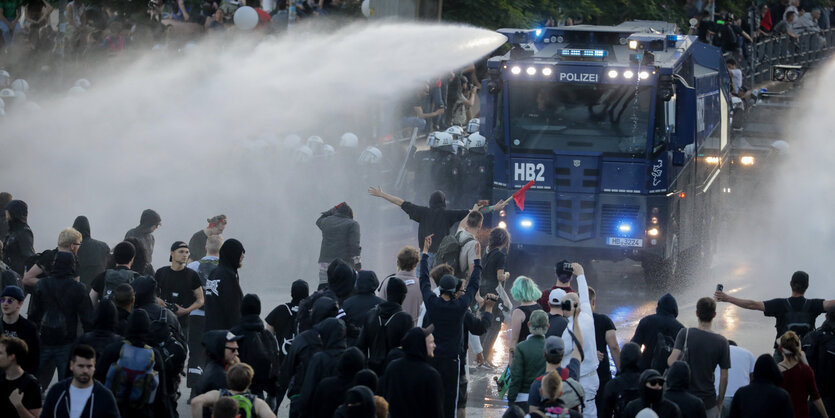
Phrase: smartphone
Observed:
(720, 287)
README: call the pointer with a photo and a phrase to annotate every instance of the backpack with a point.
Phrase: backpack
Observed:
(132, 378)
(285, 340)
(113, 278)
(623, 398)
(449, 252)
(573, 395)
(801, 322)
(820, 351)
(378, 349)
(53, 323)
(663, 348)
(171, 347)
(246, 402)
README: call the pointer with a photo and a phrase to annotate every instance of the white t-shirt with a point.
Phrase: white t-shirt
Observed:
(78, 399)
(736, 75)
(742, 365)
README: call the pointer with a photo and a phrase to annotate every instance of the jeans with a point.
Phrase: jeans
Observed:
(53, 357)
(8, 34)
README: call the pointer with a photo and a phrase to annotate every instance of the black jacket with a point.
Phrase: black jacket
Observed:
(223, 289)
(92, 255)
(143, 232)
(663, 321)
(19, 243)
(411, 386)
(214, 373)
(435, 219)
(144, 288)
(101, 403)
(322, 364)
(68, 296)
(358, 307)
(678, 382)
(330, 392)
(763, 398)
(627, 379)
(661, 406)
(390, 318)
(255, 347)
(104, 329)
(340, 238)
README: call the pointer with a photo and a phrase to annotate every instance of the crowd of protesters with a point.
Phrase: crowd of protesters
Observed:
(120, 334)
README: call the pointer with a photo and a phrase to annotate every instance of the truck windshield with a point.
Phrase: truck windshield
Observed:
(607, 118)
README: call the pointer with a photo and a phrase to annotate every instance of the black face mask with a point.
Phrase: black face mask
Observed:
(653, 396)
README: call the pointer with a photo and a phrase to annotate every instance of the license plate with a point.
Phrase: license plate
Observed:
(624, 242)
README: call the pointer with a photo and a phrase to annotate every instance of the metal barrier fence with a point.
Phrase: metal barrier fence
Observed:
(809, 49)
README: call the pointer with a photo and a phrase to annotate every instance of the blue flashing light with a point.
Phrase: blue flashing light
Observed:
(587, 53)
(624, 228)
(538, 32)
(526, 223)
(675, 38)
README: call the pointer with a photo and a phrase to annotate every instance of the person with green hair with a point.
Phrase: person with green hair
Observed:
(526, 292)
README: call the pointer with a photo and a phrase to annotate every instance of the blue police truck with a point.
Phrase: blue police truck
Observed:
(625, 131)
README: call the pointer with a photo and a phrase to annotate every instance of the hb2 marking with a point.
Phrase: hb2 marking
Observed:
(529, 171)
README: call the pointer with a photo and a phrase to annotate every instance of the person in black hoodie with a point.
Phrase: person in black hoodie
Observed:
(763, 397)
(358, 306)
(148, 223)
(342, 279)
(258, 347)
(99, 403)
(59, 304)
(412, 387)
(305, 346)
(624, 387)
(678, 382)
(141, 261)
(330, 392)
(104, 329)
(144, 288)
(221, 352)
(385, 326)
(322, 364)
(136, 334)
(651, 386)
(281, 321)
(92, 255)
(664, 322)
(340, 238)
(223, 288)
(19, 243)
(359, 403)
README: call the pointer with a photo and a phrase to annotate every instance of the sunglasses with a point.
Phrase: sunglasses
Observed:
(232, 349)
(656, 383)
(8, 300)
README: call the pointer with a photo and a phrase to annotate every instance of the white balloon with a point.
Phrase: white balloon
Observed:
(246, 18)
(366, 8)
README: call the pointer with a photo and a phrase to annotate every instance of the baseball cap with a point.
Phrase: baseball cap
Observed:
(555, 297)
(538, 323)
(232, 337)
(176, 246)
(554, 346)
(448, 283)
(14, 292)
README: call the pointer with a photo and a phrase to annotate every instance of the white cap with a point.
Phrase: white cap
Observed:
(555, 297)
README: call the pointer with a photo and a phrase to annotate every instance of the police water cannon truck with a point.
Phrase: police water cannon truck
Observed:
(625, 131)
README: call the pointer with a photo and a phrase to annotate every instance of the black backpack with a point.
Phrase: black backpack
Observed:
(379, 348)
(801, 322)
(663, 349)
(449, 252)
(168, 341)
(624, 397)
(53, 323)
(285, 336)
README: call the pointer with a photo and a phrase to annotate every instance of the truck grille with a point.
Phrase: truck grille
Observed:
(612, 215)
(539, 213)
(575, 216)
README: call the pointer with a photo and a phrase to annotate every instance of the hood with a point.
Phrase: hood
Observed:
(367, 378)
(138, 326)
(19, 210)
(251, 305)
(414, 343)
(646, 376)
(81, 224)
(437, 200)
(215, 342)
(341, 279)
(766, 370)
(298, 291)
(144, 288)
(323, 308)
(678, 376)
(367, 282)
(667, 305)
(359, 403)
(630, 356)
(350, 363)
(64, 265)
(149, 218)
(230, 254)
(106, 316)
(332, 332)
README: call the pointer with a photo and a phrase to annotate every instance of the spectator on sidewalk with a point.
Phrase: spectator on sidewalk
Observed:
(704, 350)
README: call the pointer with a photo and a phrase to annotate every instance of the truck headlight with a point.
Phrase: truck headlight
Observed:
(653, 232)
(502, 225)
(747, 160)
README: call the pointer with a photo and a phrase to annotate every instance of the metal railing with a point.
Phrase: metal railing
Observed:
(809, 49)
